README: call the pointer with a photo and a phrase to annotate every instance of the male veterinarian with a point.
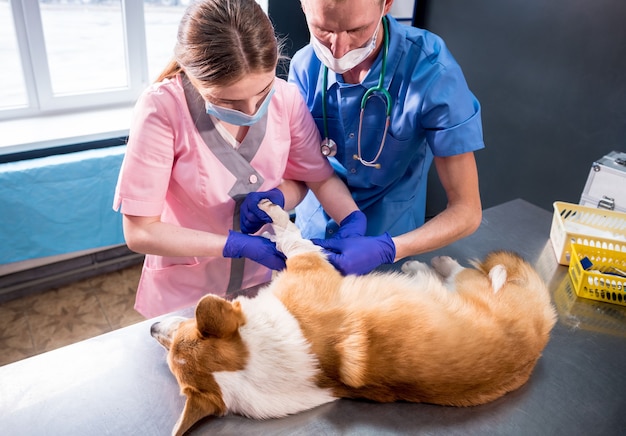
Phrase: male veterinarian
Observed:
(388, 99)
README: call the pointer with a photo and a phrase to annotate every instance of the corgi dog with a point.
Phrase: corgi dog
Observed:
(444, 335)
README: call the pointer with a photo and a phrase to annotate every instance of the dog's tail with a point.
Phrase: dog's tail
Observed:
(507, 267)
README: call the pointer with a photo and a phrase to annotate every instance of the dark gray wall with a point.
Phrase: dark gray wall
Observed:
(551, 78)
(291, 27)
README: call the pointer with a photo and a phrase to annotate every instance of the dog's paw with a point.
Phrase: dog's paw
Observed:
(414, 267)
(280, 220)
(279, 217)
(287, 236)
(445, 266)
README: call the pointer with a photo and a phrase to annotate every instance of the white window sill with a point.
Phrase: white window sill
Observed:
(59, 130)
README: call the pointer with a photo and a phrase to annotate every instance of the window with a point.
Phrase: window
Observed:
(68, 55)
(13, 88)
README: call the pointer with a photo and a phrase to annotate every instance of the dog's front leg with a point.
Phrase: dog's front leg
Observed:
(288, 237)
(448, 268)
(415, 267)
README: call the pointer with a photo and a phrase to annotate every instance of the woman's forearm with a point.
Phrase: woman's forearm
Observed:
(293, 191)
(148, 235)
(335, 197)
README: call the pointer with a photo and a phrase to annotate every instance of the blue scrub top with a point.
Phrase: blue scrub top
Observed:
(433, 113)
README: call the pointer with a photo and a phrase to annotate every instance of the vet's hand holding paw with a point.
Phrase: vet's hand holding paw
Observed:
(257, 248)
(253, 218)
(359, 255)
(353, 225)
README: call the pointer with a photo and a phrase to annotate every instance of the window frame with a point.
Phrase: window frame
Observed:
(32, 51)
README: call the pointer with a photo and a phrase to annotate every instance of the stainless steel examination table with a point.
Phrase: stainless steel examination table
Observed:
(119, 383)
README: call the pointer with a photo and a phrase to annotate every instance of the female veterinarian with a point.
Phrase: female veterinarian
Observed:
(388, 99)
(216, 126)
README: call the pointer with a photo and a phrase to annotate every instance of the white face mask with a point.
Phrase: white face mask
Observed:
(347, 61)
(350, 59)
(238, 118)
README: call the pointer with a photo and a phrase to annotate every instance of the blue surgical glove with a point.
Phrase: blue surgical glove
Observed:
(353, 225)
(253, 218)
(358, 255)
(257, 248)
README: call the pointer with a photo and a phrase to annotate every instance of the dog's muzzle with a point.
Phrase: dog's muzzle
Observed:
(164, 330)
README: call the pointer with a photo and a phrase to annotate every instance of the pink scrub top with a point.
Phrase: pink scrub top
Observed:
(170, 171)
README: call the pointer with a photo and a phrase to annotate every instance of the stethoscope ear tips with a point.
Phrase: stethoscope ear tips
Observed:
(328, 147)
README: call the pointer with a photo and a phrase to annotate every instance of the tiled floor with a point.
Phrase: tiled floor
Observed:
(68, 314)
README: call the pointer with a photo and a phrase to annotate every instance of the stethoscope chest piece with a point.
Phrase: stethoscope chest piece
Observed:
(329, 147)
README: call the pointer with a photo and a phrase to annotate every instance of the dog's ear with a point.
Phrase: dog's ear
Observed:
(197, 406)
(218, 317)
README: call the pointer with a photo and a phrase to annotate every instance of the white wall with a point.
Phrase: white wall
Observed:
(402, 9)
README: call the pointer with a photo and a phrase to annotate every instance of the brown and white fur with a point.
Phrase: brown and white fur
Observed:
(449, 335)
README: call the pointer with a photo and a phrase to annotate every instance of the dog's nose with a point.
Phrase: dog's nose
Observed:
(154, 329)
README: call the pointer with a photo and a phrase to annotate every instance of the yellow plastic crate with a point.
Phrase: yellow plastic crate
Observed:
(573, 223)
(585, 314)
(596, 283)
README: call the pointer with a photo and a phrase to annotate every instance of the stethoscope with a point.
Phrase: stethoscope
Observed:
(328, 146)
